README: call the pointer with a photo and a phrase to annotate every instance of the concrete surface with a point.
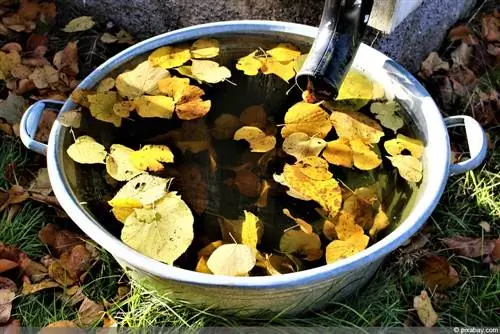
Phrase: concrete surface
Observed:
(420, 33)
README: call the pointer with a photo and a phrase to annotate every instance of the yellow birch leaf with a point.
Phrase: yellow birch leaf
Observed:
(282, 69)
(81, 23)
(356, 90)
(388, 114)
(284, 52)
(232, 229)
(308, 118)
(123, 108)
(401, 142)
(225, 125)
(105, 85)
(187, 72)
(338, 152)
(409, 167)
(143, 79)
(193, 109)
(155, 106)
(315, 168)
(303, 245)
(304, 226)
(232, 260)
(121, 214)
(380, 223)
(209, 71)
(341, 249)
(329, 230)
(250, 230)
(250, 65)
(346, 226)
(301, 145)
(364, 158)
(85, 150)
(118, 163)
(360, 205)
(150, 158)
(173, 87)
(101, 107)
(425, 311)
(142, 190)
(163, 232)
(355, 125)
(299, 62)
(205, 48)
(169, 56)
(258, 140)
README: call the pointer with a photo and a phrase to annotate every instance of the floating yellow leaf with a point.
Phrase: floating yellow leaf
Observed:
(143, 79)
(121, 214)
(81, 23)
(202, 267)
(173, 87)
(169, 56)
(205, 48)
(355, 125)
(401, 142)
(284, 52)
(118, 163)
(304, 226)
(341, 249)
(360, 205)
(155, 106)
(346, 226)
(163, 231)
(186, 71)
(308, 118)
(101, 107)
(304, 245)
(364, 158)
(209, 71)
(250, 65)
(299, 62)
(301, 145)
(142, 190)
(123, 108)
(388, 113)
(380, 223)
(232, 260)
(356, 90)
(338, 152)
(250, 230)
(282, 69)
(85, 150)
(191, 106)
(150, 157)
(209, 249)
(314, 168)
(409, 167)
(258, 140)
(232, 229)
(225, 126)
(105, 85)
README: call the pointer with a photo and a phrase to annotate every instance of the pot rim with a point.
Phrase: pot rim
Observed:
(429, 195)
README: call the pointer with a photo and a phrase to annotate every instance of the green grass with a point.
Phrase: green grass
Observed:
(12, 154)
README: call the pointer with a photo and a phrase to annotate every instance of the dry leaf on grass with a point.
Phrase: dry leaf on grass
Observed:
(90, 312)
(81, 23)
(29, 288)
(438, 274)
(66, 60)
(61, 240)
(6, 298)
(425, 311)
(470, 247)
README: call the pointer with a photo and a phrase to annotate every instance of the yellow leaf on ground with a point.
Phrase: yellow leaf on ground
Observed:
(282, 69)
(304, 245)
(341, 249)
(355, 125)
(308, 118)
(155, 106)
(425, 311)
(258, 140)
(338, 152)
(225, 125)
(205, 48)
(250, 65)
(250, 230)
(380, 223)
(123, 108)
(284, 52)
(163, 231)
(81, 23)
(44, 77)
(209, 71)
(364, 158)
(105, 85)
(388, 113)
(142, 190)
(118, 163)
(101, 107)
(346, 226)
(232, 260)
(314, 168)
(169, 56)
(150, 157)
(143, 79)
(401, 142)
(409, 167)
(85, 150)
(301, 145)
(304, 226)
(173, 87)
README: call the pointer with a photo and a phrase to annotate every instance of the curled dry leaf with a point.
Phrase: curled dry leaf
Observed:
(142, 190)
(169, 56)
(205, 48)
(306, 246)
(61, 240)
(85, 150)
(209, 71)
(192, 107)
(341, 249)
(119, 165)
(250, 64)
(81, 23)
(150, 157)
(301, 145)
(304, 226)
(34, 270)
(308, 118)
(143, 79)
(232, 260)
(409, 167)
(168, 225)
(425, 311)
(66, 60)
(225, 125)
(16, 195)
(258, 140)
(438, 274)
(60, 324)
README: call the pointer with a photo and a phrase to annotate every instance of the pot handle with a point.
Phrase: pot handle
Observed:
(476, 139)
(30, 122)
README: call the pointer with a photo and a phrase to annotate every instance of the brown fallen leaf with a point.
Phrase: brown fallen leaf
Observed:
(6, 265)
(6, 283)
(6, 298)
(495, 254)
(66, 60)
(41, 184)
(60, 324)
(17, 195)
(60, 275)
(77, 261)
(438, 274)
(432, 64)
(46, 122)
(61, 240)
(470, 247)
(73, 295)
(29, 288)
(425, 311)
(89, 313)
(491, 28)
(34, 270)
(462, 33)
(12, 327)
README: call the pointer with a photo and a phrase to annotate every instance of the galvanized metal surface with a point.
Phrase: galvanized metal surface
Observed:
(291, 293)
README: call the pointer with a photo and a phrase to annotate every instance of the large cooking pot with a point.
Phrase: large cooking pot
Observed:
(290, 293)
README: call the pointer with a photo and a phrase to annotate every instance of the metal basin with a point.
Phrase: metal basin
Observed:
(290, 293)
